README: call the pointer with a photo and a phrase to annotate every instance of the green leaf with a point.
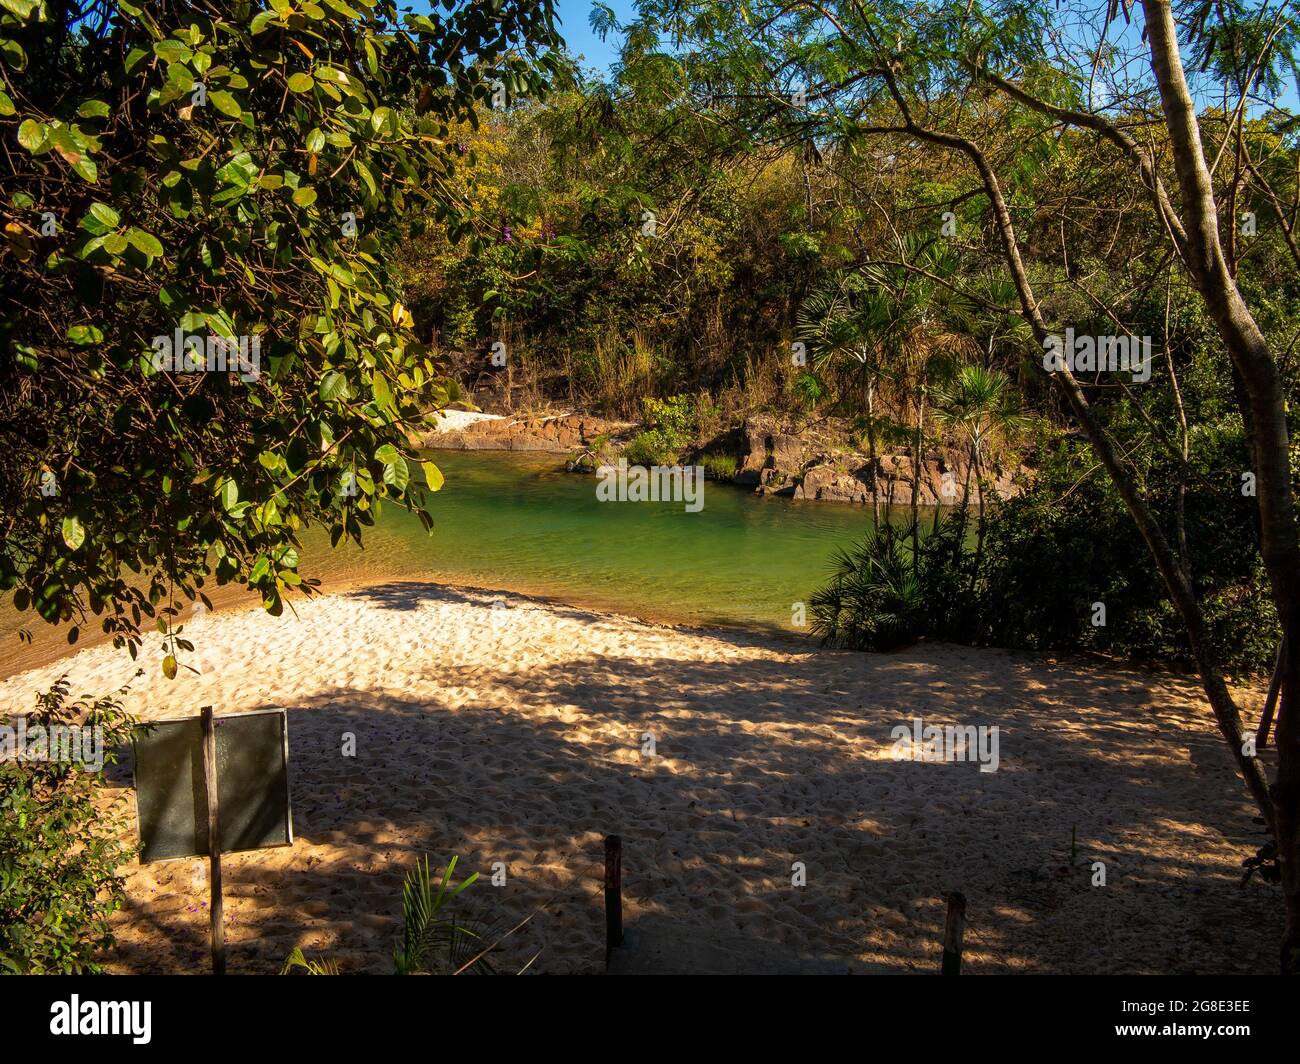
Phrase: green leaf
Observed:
(301, 82)
(85, 334)
(134, 58)
(225, 103)
(73, 534)
(383, 121)
(21, 9)
(31, 135)
(172, 51)
(6, 105)
(13, 55)
(433, 477)
(93, 109)
(397, 473)
(145, 242)
(100, 219)
(229, 494)
(332, 386)
(304, 197)
(169, 667)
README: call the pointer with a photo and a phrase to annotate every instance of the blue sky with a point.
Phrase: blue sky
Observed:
(576, 31)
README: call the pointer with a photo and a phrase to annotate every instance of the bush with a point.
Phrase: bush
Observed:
(874, 600)
(1069, 542)
(1050, 554)
(60, 847)
(720, 466)
(651, 448)
(672, 423)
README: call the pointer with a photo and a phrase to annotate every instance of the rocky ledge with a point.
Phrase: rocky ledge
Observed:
(560, 433)
(778, 463)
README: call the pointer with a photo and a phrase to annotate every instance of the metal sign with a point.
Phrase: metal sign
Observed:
(252, 755)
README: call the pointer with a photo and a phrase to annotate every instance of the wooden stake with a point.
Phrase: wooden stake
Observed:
(613, 894)
(214, 842)
(953, 929)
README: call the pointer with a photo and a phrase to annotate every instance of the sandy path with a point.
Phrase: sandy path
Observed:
(515, 735)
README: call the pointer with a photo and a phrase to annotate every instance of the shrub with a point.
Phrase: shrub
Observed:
(1069, 542)
(720, 466)
(1053, 552)
(672, 424)
(652, 447)
(874, 599)
(60, 846)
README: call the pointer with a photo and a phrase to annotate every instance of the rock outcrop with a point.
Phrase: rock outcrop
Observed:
(560, 434)
(780, 463)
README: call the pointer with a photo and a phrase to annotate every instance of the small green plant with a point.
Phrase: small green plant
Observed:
(671, 425)
(720, 466)
(436, 938)
(651, 448)
(808, 391)
(61, 845)
(297, 960)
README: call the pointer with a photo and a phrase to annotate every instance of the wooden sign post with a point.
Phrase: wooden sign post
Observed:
(214, 842)
(613, 894)
(210, 785)
(953, 929)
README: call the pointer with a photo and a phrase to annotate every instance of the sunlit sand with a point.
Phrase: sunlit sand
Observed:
(516, 733)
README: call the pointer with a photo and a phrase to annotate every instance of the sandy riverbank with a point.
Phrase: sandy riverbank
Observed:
(516, 735)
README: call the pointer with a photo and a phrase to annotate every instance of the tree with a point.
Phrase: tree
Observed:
(980, 407)
(203, 348)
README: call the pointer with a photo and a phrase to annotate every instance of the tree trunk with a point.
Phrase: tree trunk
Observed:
(871, 448)
(979, 528)
(916, 481)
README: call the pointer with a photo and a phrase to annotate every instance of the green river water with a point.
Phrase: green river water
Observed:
(518, 522)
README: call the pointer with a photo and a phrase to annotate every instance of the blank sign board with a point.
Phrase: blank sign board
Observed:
(252, 785)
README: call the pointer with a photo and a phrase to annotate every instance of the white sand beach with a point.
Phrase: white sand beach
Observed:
(514, 734)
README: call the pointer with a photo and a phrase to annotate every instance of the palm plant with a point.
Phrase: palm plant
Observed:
(841, 321)
(297, 960)
(435, 938)
(980, 407)
(874, 599)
